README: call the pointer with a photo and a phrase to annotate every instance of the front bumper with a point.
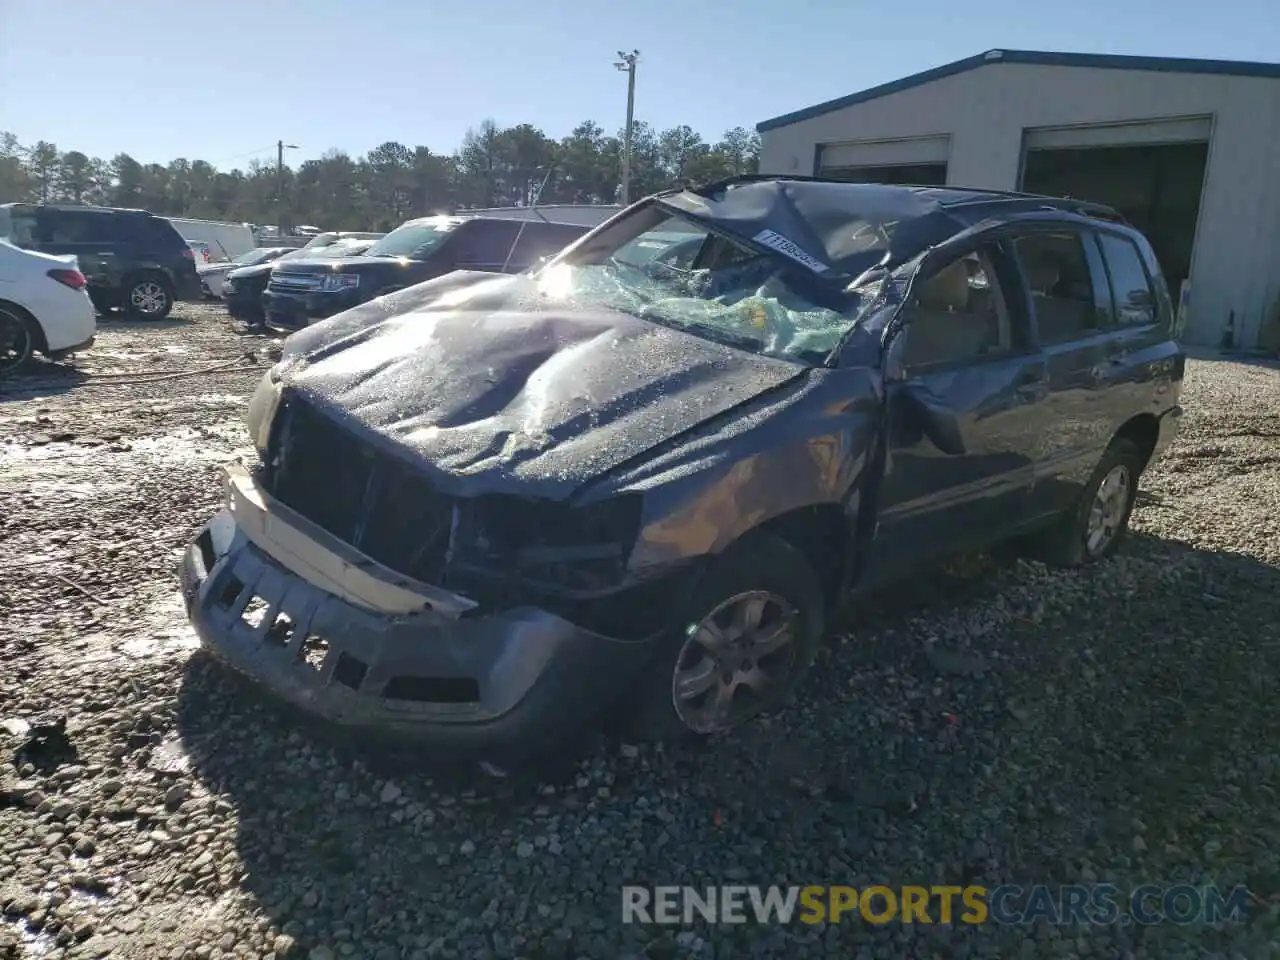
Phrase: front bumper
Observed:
(63, 352)
(496, 684)
(245, 306)
(293, 311)
(1168, 429)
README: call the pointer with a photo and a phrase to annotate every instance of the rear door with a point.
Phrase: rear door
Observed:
(90, 237)
(1070, 305)
(964, 418)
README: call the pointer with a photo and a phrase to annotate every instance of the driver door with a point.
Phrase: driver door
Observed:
(962, 433)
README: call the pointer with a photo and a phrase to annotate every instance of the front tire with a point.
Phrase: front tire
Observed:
(149, 298)
(17, 341)
(1095, 527)
(742, 645)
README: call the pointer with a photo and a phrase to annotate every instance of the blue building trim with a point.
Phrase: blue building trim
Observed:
(1098, 61)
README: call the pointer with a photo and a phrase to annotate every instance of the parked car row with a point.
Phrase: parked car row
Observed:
(243, 288)
(338, 271)
(131, 260)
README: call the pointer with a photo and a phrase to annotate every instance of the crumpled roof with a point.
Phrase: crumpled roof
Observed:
(838, 230)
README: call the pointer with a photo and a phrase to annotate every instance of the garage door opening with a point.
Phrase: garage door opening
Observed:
(1156, 187)
(919, 174)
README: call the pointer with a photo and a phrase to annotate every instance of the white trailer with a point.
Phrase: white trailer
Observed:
(226, 240)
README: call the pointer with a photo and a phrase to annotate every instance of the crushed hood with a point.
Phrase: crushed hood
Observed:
(488, 395)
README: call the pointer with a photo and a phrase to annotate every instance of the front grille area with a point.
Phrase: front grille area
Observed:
(294, 282)
(362, 496)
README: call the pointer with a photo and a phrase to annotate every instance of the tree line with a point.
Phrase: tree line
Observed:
(494, 166)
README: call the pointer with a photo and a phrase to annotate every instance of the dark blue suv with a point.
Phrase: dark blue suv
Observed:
(646, 475)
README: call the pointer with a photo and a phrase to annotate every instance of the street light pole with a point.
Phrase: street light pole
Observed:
(281, 147)
(627, 64)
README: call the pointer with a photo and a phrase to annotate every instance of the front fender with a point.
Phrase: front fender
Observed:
(810, 448)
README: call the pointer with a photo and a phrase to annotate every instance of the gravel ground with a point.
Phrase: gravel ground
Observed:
(1001, 723)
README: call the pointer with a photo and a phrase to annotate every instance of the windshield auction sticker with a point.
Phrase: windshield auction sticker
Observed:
(776, 241)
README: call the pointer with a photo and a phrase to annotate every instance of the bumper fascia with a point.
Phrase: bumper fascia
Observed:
(540, 678)
(63, 352)
(244, 306)
(288, 312)
(188, 288)
(1168, 425)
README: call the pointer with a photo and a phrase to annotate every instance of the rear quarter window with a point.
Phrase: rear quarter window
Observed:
(1131, 288)
(157, 231)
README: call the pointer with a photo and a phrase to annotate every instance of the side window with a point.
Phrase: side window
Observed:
(958, 315)
(1057, 273)
(1130, 285)
(155, 232)
(483, 244)
(70, 226)
(538, 240)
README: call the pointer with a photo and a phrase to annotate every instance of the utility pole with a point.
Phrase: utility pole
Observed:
(281, 147)
(627, 64)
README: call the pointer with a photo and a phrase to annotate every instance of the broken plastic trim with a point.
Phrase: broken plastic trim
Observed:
(298, 545)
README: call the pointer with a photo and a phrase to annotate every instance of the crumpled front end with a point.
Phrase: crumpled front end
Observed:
(344, 637)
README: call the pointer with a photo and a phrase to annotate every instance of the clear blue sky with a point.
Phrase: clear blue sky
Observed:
(224, 80)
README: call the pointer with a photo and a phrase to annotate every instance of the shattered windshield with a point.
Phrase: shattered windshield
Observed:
(674, 271)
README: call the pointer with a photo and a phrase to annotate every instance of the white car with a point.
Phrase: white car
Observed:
(44, 307)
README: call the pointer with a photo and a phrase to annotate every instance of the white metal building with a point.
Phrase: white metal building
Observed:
(1187, 150)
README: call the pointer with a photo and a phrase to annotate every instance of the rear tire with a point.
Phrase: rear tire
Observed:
(740, 647)
(148, 297)
(18, 338)
(1095, 527)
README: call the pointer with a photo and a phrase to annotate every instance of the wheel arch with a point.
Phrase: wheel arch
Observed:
(1142, 430)
(147, 273)
(18, 310)
(823, 533)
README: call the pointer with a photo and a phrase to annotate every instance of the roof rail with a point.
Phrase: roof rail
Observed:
(984, 194)
(716, 186)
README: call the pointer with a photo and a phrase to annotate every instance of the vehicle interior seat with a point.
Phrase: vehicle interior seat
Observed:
(946, 325)
(1059, 315)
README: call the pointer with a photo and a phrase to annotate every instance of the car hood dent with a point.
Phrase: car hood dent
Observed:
(496, 398)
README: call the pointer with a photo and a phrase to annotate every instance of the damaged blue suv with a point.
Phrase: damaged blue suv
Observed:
(486, 510)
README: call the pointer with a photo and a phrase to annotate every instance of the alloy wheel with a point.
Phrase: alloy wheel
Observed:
(148, 298)
(733, 660)
(16, 345)
(1106, 513)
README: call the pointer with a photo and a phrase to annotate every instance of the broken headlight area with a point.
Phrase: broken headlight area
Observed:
(388, 509)
(579, 550)
(262, 408)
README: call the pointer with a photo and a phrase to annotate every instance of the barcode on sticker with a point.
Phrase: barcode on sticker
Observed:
(776, 241)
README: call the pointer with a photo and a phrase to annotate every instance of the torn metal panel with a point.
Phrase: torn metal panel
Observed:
(847, 231)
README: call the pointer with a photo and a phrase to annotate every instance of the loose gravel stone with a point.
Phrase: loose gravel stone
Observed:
(992, 722)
